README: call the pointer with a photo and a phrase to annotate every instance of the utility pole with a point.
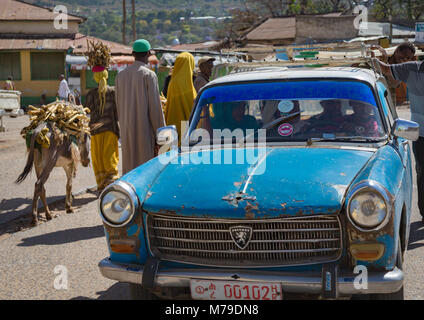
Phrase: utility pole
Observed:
(124, 21)
(133, 21)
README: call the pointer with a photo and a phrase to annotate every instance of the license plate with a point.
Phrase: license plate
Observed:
(234, 290)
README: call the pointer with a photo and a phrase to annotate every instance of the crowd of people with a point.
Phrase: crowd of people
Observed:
(133, 111)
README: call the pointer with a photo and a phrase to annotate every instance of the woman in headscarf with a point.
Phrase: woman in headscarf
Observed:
(104, 130)
(181, 92)
(104, 125)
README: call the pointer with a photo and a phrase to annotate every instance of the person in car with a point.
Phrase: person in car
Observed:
(232, 115)
(329, 120)
(362, 122)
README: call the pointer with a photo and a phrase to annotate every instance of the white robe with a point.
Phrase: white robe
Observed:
(139, 114)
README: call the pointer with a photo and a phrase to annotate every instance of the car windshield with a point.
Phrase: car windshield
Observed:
(313, 111)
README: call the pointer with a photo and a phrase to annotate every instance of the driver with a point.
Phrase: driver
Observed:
(362, 122)
(329, 120)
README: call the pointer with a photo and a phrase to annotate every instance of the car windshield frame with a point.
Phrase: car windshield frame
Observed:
(199, 104)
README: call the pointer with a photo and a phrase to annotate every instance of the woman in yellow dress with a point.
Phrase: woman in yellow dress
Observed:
(105, 131)
(181, 92)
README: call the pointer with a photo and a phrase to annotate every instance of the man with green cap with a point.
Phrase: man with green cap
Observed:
(139, 109)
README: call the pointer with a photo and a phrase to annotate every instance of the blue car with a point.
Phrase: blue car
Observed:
(285, 182)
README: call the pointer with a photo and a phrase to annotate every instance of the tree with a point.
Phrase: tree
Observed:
(134, 29)
(414, 8)
(124, 21)
(336, 5)
(385, 9)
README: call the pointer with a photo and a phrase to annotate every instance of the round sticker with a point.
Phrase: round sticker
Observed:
(285, 130)
(285, 106)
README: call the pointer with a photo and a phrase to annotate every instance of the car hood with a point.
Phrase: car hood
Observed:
(281, 182)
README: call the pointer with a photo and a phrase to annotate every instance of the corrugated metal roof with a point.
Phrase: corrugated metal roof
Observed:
(28, 44)
(80, 45)
(196, 46)
(20, 10)
(274, 29)
(78, 42)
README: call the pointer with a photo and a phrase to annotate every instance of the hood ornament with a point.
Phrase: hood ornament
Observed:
(241, 236)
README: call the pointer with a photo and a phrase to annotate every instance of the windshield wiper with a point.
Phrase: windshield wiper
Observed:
(352, 138)
(273, 124)
(279, 120)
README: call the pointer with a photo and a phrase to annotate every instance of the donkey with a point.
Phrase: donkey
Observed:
(61, 153)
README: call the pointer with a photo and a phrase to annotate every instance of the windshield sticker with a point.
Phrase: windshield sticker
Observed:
(285, 106)
(285, 130)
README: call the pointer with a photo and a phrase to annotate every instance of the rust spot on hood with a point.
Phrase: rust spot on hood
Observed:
(250, 207)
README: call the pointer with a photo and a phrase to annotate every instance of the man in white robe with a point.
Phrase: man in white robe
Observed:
(139, 109)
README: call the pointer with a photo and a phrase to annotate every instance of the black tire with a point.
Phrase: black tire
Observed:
(138, 292)
(398, 295)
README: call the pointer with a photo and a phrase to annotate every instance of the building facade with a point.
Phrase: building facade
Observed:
(34, 44)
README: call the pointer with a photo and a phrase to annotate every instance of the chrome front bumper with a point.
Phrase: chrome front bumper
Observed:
(307, 282)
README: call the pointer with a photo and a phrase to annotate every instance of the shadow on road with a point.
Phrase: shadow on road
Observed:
(118, 291)
(8, 207)
(417, 235)
(15, 221)
(64, 236)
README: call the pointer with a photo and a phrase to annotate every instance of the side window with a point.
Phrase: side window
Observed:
(392, 106)
(387, 102)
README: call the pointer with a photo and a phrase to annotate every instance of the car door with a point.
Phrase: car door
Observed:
(403, 148)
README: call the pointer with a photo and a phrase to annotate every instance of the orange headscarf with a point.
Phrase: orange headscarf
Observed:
(181, 92)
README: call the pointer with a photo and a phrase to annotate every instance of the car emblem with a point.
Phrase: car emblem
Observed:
(241, 236)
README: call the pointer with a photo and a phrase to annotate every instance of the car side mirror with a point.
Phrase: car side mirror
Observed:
(167, 136)
(405, 129)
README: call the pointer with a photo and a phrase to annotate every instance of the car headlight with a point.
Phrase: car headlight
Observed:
(369, 205)
(118, 204)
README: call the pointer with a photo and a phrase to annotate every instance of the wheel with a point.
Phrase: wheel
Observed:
(399, 295)
(138, 292)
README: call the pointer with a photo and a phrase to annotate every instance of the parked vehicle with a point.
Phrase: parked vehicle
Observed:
(287, 182)
(10, 105)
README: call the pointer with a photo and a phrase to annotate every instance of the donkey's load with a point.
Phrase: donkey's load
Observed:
(65, 119)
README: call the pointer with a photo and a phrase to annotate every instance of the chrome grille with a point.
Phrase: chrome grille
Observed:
(275, 242)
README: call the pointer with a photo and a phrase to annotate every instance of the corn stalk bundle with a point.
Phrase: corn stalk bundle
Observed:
(64, 119)
(98, 54)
